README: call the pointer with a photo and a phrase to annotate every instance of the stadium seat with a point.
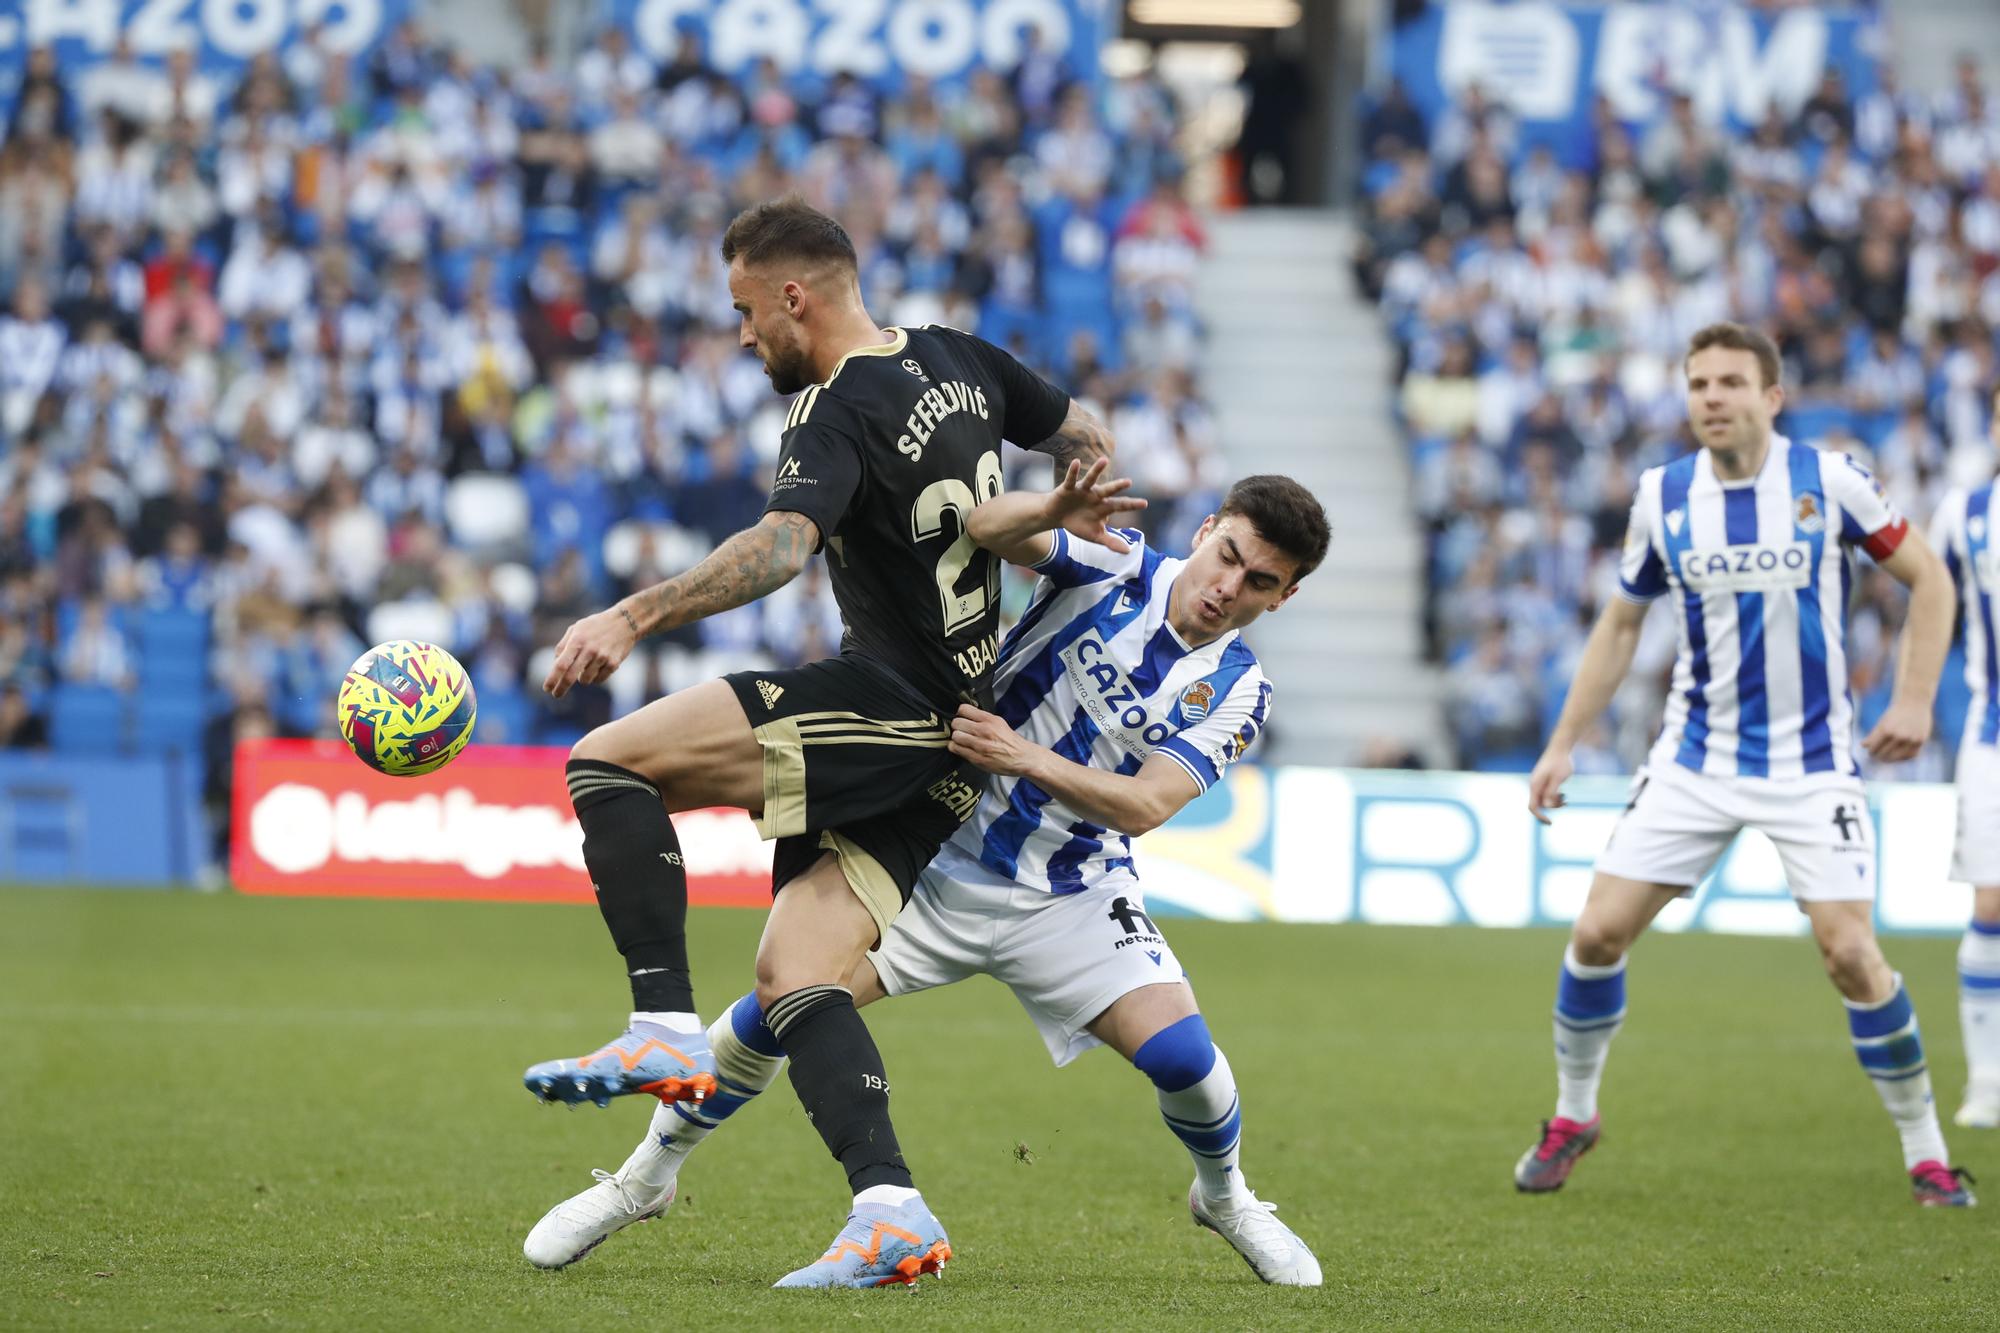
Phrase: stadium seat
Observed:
(168, 721)
(87, 719)
(172, 672)
(171, 630)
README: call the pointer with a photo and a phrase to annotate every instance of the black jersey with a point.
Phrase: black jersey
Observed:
(887, 458)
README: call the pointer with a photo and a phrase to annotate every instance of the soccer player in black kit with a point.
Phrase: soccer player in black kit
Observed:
(894, 437)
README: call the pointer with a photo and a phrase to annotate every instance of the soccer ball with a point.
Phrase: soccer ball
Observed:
(406, 708)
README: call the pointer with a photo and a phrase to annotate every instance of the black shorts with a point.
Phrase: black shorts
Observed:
(855, 762)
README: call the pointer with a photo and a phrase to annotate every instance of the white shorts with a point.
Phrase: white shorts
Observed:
(1679, 823)
(1066, 958)
(1975, 857)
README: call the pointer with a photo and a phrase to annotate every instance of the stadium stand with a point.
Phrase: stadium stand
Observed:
(1539, 308)
(411, 348)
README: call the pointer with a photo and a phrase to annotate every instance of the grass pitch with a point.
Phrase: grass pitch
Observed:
(220, 1112)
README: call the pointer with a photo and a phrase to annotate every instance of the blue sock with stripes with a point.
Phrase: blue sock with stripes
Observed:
(1198, 1101)
(1979, 1006)
(747, 1061)
(1891, 1051)
(1590, 1008)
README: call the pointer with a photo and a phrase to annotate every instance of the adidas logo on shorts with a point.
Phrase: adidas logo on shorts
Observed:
(769, 693)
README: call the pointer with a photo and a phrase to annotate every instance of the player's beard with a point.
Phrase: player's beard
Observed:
(788, 369)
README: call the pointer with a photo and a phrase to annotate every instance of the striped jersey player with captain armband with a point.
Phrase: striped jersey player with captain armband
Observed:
(1751, 540)
(1121, 695)
(1966, 530)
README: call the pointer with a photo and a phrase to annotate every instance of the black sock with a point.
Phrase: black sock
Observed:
(837, 1073)
(634, 859)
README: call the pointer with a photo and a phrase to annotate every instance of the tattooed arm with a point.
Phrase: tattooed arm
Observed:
(750, 564)
(1081, 438)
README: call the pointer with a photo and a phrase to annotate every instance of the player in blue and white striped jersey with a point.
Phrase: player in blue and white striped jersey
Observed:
(1967, 530)
(1121, 695)
(1098, 673)
(1752, 539)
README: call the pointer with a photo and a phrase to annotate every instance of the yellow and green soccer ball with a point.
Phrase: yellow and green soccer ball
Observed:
(406, 708)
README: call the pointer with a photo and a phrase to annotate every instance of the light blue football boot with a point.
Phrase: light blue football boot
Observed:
(881, 1245)
(673, 1066)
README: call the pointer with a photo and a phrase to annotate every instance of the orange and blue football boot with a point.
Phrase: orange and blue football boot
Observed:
(882, 1245)
(645, 1058)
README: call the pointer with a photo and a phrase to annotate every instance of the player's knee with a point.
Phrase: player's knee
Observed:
(1853, 958)
(599, 745)
(1177, 1056)
(1597, 942)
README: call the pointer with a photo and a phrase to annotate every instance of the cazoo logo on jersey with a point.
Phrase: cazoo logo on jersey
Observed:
(1747, 568)
(1112, 701)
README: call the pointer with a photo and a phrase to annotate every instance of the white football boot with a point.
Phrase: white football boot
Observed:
(1981, 1108)
(1272, 1249)
(578, 1225)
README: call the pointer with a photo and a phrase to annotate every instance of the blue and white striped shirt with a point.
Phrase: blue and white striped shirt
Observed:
(1964, 531)
(1761, 571)
(1094, 672)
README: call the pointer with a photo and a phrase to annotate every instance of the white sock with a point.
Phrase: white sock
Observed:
(1208, 1120)
(889, 1194)
(672, 1022)
(741, 1074)
(1590, 1008)
(1979, 1005)
(1891, 1051)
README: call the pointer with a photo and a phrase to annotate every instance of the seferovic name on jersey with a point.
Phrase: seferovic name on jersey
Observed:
(933, 406)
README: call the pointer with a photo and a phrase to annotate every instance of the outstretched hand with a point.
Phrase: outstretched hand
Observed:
(590, 650)
(1083, 502)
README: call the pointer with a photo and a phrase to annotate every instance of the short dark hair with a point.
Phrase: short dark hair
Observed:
(1285, 514)
(787, 229)
(1739, 338)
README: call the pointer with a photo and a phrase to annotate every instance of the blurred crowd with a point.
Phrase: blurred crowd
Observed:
(1542, 304)
(333, 352)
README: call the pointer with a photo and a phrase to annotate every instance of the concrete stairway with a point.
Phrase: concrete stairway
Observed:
(1298, 369)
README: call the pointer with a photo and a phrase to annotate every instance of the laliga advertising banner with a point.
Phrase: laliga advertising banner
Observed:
(1550, 62)
(1290, 844)
(878, 40)
(495, 825)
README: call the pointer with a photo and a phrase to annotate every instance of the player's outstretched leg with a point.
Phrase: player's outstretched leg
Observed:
(1158, 1028)
(1979, 1013)
(691, 748)
(745, 1061)
(1889, 1046)
(819, 929)
(1590, 1008)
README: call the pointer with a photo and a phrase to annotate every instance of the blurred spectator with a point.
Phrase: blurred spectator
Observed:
(21, 728)
(95, 652)
(325, 342)
(1541, 315)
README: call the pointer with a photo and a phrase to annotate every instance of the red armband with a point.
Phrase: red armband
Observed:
(1882, 544)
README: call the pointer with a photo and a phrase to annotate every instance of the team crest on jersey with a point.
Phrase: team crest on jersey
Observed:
(1195, 700)
(1676, 521)
(1975, 528)
(1807, 515)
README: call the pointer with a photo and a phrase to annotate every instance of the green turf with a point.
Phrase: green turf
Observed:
(219, 1111)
